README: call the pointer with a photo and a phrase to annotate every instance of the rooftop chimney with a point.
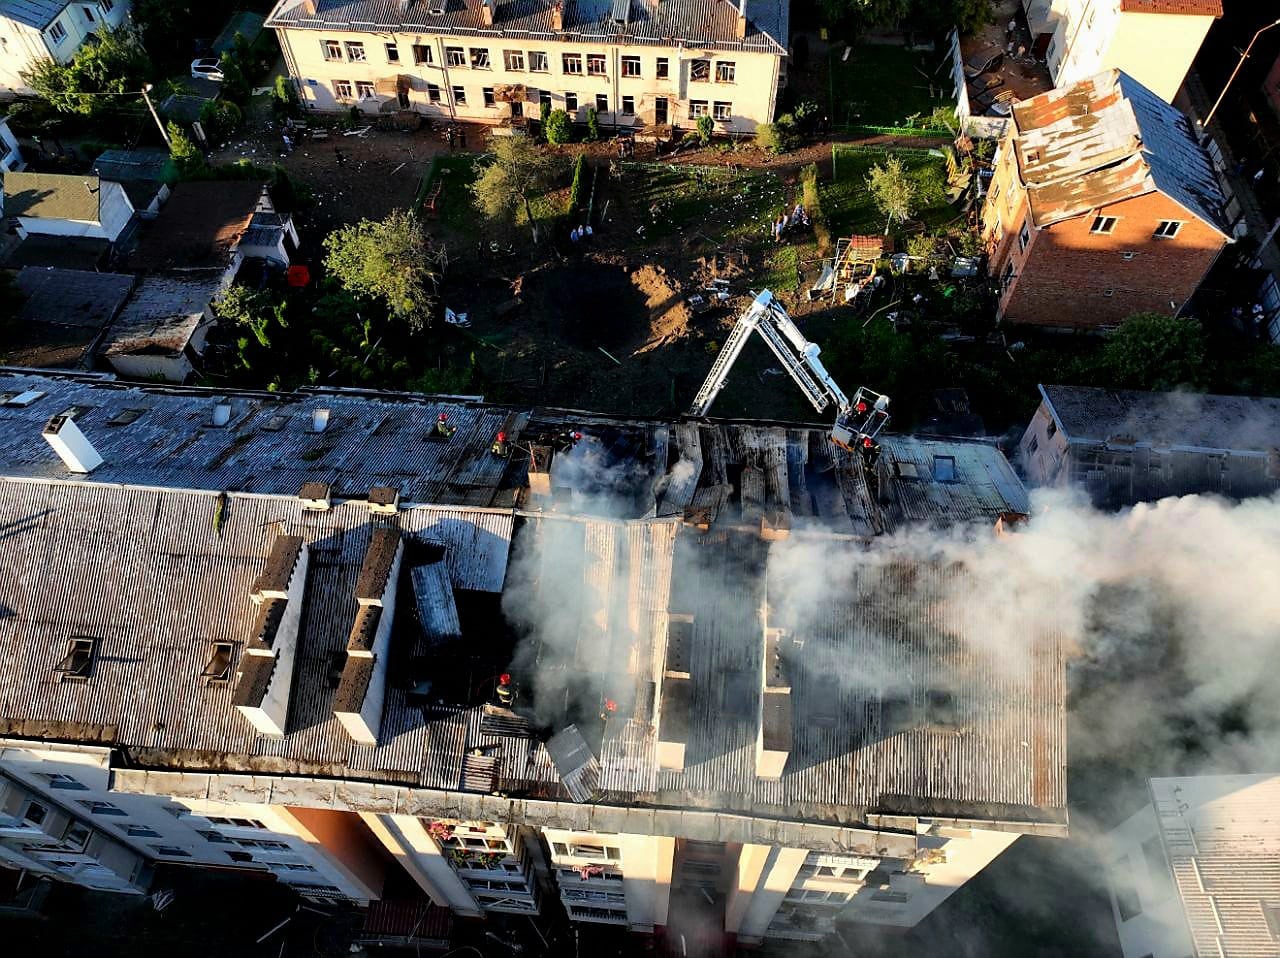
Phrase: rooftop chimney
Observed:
(486, 12)
(362, 688)
(773, 740)
(557, 16)
(71, 445)
(384, 501)
(741, 32)
(316, 497)
(264, 675)
(307, 8)
(675, 694)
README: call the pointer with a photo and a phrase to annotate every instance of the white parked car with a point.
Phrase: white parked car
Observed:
(208, 68)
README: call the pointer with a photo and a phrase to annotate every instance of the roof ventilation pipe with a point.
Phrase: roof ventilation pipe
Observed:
(71, 445)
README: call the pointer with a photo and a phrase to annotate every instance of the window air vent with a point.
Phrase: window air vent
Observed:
(76, 665)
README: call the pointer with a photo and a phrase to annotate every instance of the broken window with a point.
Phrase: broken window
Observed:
(628, 106)
(663, 69)
(459, 96)
(602, 103)
(364, 90)
(538, 61)
(630, 66)
(455, 56)
(433, 93)
(489, 99)
(514, 59)
(355, 51)
(332, 49)
(76, 664)
(698, 108)
(342, 89)
(421, 53)
(722, 111)
(479, 58)
(393, 53)
(1103, 224)
(699, 69)
(571, 102)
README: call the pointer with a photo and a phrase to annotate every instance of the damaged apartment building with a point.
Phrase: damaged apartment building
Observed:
(529, 659)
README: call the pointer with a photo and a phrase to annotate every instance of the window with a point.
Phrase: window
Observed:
(364, 89)
(663, 70)
(1032, 156)
(488, 96)
(514, 59)
(1167, 229)
(602, 103)
(944, 468)
(1024, 236)
(216, 837)
(1128, 255)
(265, 843)
(1103, 224)
(107, 5)
(897, 897)
(700, 70)
(342, 89)
(88, 15)
(571, 102)
(393, 53)
(76, 665)
(538, 61)
(421, 54)
(35, 813)
(58, 780)
(722, 111)
(479, 58)
(96, 807)
(544, 99)
(57, 32)
(596, 64)
(1109, 292)
(455, 56)
(332, 49)
(572, 63)
(459, 95)
(1007, 276)
(630, 66)
(1051, 430)
(628, 106)
(293, 866)
(559, 848)
(143, 831)
(433, 93)
(171, 851)
(234, 822)
(1126, 895)
(697, 108)
(725, 71)
(218, 669)
(355, 51)
(76, 836)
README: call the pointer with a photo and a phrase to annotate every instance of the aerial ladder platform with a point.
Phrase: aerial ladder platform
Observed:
(858, 420)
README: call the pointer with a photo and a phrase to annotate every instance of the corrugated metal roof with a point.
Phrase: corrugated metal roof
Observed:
(34, 13)
(1108, 138)
(1221, 836)
(163, 313)
(704, 23)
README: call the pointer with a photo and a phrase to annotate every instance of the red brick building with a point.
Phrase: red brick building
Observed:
(1103, 204)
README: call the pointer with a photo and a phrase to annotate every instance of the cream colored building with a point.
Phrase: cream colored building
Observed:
(309, 682)
(1154, 41)
(636, 63)
(35, 30)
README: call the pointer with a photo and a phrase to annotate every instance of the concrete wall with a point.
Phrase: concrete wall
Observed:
(1043, 450)
(646, 879)
(752, 94)
(776, 876)
(408, 841)
(1160, 930)
(345, 841)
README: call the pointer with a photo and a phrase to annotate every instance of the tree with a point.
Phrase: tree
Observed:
(186, 155)
(518, 172)
(593, 125)
(387, 259)
(865, 14)
(558, 127)
(705, 127)
(1155, 351)
(894, 191)
(220, 118)
(113, 62)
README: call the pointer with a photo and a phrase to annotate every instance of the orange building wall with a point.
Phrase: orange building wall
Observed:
(348, 842)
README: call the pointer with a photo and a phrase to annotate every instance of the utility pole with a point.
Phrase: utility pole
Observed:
(156, 116)
(1244, 56)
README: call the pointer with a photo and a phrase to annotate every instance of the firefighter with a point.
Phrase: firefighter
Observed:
(499, 447)
(870, 450)
(443, 428)
(506, 695)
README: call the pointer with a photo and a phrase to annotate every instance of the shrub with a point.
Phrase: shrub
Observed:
(284, 98)
(781, 136)
(593, 125)
(705, 127)
(558, 128)
(579, 182)
(544, 111)
(186, 155)
(812, 200)
(220, 118)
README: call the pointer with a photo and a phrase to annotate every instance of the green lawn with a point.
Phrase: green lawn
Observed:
(847, 202)
(458, 212)
(883, 85)
(720, 203)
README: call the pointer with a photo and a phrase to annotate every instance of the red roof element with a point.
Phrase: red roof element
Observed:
(1200, 8)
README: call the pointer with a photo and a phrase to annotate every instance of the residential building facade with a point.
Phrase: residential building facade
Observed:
(336, 705)
(10, 153)
(498, 61)
(1102, 204)
(35, 30)
(1194, 872)
(1123, 447)
(1153, 41)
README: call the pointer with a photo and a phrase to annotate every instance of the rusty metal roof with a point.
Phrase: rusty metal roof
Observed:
(1106, 139)
(1203, 8)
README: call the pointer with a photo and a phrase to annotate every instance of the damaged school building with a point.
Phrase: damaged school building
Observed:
(519, 656)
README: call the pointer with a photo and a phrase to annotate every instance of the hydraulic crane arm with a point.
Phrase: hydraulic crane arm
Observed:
(860, 418)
